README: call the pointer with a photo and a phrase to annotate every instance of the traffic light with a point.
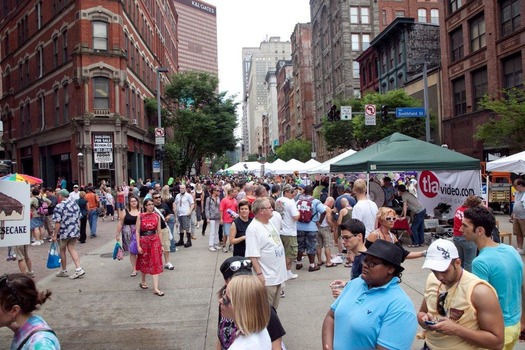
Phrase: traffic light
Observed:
(159, 153)
(334, 114)
(384, 112)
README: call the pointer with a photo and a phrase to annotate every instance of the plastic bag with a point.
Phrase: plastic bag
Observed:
(53, 258)
(118, 253)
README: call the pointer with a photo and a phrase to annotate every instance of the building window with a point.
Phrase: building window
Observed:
(6, 43)
(354, 15)
(355, 66)
(55, 51)
(479, 86)
(453, 5)
(26, 67)
(101, 93)
(41, 111)
(64, 46)
(434, 16)
(400, 51)
(512, 72)
(477, 33)
(365, 15)
(56, 97)
(65, 110)
(355, 42)
(422, 15)
(510, 16)
(100, 35)
(460, 96)
(456, 44)
(366, 41)
(38, 13)
(400, 13)
(384, 17)
(40, 61)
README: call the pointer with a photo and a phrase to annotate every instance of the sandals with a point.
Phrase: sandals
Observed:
(331, 265)
(134, 274)
(321, 263)
(348, 264)
(159, 293)
(143, 285)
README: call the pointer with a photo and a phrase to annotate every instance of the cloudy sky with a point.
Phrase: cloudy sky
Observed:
(245, 23)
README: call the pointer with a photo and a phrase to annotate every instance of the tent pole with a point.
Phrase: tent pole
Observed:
(329, 185)
(367, 183)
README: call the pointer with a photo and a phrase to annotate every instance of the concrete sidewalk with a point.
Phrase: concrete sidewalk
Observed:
(106, 309)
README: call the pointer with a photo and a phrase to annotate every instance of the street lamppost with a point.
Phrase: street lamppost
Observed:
(80, 157)
(159, 123)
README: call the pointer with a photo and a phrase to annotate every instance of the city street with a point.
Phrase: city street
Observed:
(106, 309)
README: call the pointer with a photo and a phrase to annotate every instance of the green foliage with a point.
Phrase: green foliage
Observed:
(203, 122)
(507, 130)
(297, 148)
(356, 135)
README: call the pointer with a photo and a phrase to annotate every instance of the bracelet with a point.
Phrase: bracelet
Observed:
(260, 273)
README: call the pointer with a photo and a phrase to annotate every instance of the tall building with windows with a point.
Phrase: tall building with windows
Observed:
(479, 40)
(75, 77)
(197, 33)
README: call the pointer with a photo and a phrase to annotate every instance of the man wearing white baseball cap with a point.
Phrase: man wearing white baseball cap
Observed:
(459, 310)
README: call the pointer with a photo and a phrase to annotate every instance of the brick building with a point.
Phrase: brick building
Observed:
(483, 52)
(285, 101)
(75, 76)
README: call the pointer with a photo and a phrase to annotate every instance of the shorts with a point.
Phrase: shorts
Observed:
(21, 252)
(518, 227)
(119, 206)
(512, 334)
(307, 241)
(165, 239)
(290, 246)
(36, 222)
(324, 237)
(68, 242)
(226, 228)
(184, 223)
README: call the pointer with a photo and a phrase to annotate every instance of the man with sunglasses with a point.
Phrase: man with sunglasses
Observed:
(459, 310)
(184, 206)
(498, 264)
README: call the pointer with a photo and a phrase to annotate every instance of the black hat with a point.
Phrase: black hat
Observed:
(386, 251)
(244, 267)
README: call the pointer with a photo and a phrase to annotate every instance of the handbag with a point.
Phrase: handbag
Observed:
(118, 253)
(53, 257)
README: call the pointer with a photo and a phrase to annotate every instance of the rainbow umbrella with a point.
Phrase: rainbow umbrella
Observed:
(22, 178)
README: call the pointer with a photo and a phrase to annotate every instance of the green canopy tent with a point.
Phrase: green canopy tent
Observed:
(399, 152)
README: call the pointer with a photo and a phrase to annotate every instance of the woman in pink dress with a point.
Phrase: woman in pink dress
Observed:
(149, 260)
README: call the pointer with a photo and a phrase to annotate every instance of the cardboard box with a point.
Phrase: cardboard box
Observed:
(431, 223)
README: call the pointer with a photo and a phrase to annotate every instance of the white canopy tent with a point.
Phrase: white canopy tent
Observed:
(324, 168)
(250, 167)
(512, 164)
(295, 165)
(282, 167)
(312, 163)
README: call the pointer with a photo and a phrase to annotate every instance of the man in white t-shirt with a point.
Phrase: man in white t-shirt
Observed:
(365, 210)
(285, 205)
(265, 249)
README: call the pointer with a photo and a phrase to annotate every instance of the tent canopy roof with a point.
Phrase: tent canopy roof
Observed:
(399, 152)
(512, 164)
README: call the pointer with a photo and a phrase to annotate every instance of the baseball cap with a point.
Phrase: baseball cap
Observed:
(236, 265)
(440, 254)
(75, 186)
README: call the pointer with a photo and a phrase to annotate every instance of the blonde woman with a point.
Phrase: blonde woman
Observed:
(126, 228)
(246, 300)
(386, 218)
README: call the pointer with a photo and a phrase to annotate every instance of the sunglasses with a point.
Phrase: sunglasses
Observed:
(372, 264)
(236, 265)
(156, 197)
(390, 218)
(441, 303)
(225, 300)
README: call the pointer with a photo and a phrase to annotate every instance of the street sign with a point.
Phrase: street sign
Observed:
(346, 112)
(156, 166)
(410, 112)
(160, 140)
(370, 115)
(159, 132)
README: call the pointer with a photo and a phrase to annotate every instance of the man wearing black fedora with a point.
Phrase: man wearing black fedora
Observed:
(371, 308)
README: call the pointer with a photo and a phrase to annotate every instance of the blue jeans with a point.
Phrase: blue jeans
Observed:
(93, 218)
(418, 227)
(467, 251)
(171, 225)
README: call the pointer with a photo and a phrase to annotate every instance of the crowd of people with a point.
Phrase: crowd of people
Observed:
(473, 293)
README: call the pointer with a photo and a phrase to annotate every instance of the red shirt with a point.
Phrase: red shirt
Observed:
(458, 219)
(227, 203)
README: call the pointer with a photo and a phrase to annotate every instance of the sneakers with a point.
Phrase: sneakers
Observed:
(314, 268)
(11, 257)
(225, 250)
(36, 243)
(169, 266)
(212, 249)
(77, 274)
(337, 260)
(30, 274)
(62, 274)
(292, 276)
(283, 294)
(217, 247)
(230, 248)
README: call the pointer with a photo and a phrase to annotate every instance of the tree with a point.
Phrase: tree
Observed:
(203, 121)
(356, 135)
(506, 131)
(297, 148)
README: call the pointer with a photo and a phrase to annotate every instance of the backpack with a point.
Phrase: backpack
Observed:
(306, 209)
(43, 208)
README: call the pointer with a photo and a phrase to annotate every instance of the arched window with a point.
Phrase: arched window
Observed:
(100, 36)
(101, 93)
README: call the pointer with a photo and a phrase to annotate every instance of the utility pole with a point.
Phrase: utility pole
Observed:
(159, 123)
(425, 101)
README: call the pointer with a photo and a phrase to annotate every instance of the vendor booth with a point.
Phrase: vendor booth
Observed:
(444, 176)
(512, 164)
